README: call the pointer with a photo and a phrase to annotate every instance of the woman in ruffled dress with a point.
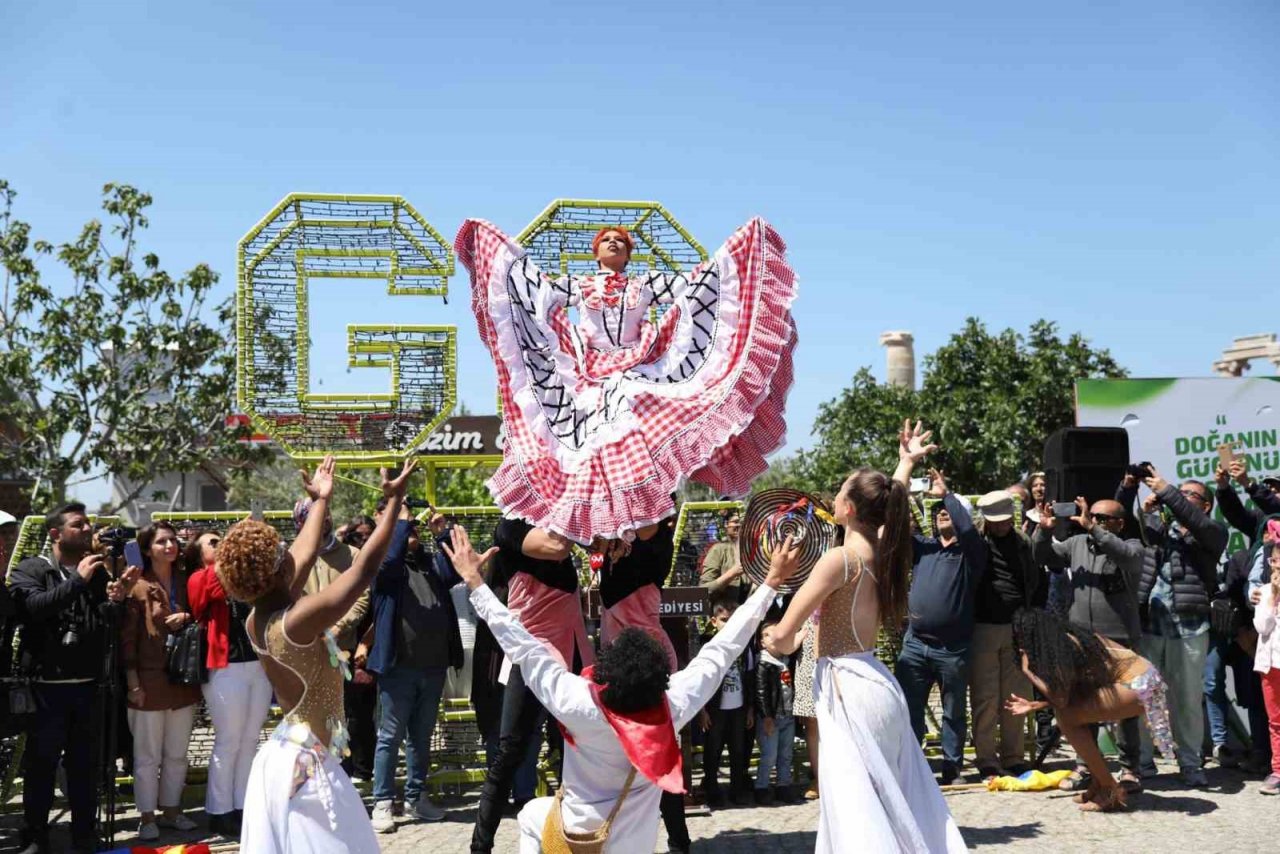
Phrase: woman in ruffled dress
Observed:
(299, 798)
(605, 417)
(876, 791)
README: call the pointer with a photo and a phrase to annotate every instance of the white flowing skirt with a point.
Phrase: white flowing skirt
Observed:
(876, 790)
(324, 816)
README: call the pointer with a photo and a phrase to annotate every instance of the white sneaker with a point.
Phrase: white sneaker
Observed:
(383, 821)
(426, 810)
(148, 831)
(178, 822)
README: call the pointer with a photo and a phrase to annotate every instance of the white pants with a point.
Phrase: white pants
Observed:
(239, 700)
(160, 742)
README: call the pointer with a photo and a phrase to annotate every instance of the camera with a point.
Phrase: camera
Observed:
(418, 504)
(1139, 470)
(113, 540)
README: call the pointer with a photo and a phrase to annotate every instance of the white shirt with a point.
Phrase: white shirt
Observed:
(596, 767)
(731, 693)
(1267, 655)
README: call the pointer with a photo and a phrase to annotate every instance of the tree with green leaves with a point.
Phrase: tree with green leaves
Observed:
(119, 367)
(991, 400)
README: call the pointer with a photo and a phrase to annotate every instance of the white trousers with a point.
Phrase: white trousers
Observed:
(160, 742)
(239, 700)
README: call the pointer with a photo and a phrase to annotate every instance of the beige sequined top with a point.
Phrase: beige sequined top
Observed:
(320, 708)
(837, 634)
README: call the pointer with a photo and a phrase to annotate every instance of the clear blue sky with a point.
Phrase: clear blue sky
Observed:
(1114, 167)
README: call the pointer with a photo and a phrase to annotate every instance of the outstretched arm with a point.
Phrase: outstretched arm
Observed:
(312, 615)
(565, 695)
(306, 546)
(913, 447)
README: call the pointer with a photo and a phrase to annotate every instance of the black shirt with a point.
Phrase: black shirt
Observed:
(510, 559)
(425, 622)
(649, 562)
(239, 650)
(1002, 589)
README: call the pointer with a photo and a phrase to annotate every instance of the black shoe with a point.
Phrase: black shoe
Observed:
(715, 798)
(949, 774)
(742, 798)
(1017, 769)
(679, 847)
(226, 825)
(764, 798)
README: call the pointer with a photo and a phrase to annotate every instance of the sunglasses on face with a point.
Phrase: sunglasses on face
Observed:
(1106, 517)
(1191, 493)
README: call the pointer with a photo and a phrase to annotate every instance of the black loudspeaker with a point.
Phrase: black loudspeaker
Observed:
(1088, 461)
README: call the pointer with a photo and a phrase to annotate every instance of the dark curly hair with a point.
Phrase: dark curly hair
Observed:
(633, 670)
(1069, 658)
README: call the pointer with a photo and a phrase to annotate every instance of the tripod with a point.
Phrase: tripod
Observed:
(107, 705)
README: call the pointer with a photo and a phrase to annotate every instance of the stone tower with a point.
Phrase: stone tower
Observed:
(901, 357)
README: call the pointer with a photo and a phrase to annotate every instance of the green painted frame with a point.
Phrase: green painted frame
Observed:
(369, 354)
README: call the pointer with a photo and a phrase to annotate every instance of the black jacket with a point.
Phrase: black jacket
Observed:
(1192, 557)
(51, 604)
(1248, 520)
(770, 697)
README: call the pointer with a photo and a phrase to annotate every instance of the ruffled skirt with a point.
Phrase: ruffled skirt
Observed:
(592, 454)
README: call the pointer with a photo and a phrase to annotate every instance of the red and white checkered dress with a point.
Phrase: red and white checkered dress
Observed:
(605, 417)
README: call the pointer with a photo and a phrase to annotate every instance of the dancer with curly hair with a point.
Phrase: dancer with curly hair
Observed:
(1088, 680)
(298, 796)
(620, 718)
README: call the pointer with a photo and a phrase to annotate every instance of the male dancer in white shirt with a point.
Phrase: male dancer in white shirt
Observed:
(623, 714)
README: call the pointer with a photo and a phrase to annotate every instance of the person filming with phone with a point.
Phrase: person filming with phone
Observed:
(67, 603)
(1179, 577)
(1104, 572)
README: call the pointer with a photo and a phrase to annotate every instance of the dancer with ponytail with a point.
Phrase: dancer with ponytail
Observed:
(876, 790)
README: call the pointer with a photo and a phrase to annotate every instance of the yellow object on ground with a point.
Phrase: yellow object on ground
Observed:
(1031, 781)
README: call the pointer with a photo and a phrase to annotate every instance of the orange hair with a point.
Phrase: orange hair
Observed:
(626, 237)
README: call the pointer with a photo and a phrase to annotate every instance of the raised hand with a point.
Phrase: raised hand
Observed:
(397, 486)
(1083, 517)
(1047, 519)
(937, 484)
(1238, 469)
(913, 442)
(319, 486)
(1155, 482)
(784, 562)
(464, 558)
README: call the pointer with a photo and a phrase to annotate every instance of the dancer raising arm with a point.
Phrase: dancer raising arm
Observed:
(298, 797)
(1088, 680)
(876, 790)
(620, 718)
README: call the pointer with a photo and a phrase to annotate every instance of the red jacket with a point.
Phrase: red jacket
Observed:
(208, 603)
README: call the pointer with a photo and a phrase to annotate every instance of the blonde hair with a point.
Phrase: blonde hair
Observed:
(248, 560)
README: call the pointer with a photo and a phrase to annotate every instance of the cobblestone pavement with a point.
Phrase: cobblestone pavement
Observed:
(1228, 816)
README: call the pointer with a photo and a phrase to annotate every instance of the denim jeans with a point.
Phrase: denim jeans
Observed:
(1216, 704)
(410, 700)
(777, 749)
(1181, 663)
(919, 666)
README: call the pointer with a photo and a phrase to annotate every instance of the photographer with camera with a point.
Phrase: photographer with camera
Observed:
(1179, 577)
(1103, 573)
(67, 603)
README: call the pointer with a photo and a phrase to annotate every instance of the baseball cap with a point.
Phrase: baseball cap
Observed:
(996, 506)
